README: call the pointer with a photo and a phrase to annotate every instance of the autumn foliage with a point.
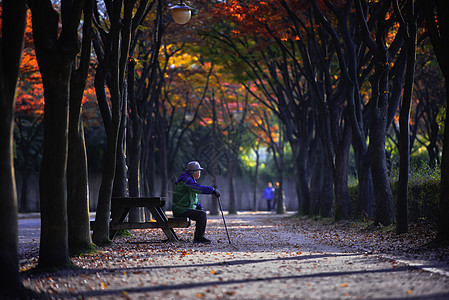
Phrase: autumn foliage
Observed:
(30, 97)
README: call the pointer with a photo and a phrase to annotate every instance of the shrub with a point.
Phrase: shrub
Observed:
(423, 191)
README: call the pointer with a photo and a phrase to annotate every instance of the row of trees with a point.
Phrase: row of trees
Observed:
(134, 95)
(336, 73)
(309, 62)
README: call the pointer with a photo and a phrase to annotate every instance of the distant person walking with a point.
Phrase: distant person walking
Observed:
(268, 194)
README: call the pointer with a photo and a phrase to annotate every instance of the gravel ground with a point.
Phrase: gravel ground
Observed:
(271, 257)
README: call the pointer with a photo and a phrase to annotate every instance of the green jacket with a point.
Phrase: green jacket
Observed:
(185, 195)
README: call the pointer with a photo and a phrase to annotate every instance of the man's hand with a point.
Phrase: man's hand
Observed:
(216, 193)
(199, 206)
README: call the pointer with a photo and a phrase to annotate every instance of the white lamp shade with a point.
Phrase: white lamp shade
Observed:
(238, 115)
(189, 116)
(181, 13)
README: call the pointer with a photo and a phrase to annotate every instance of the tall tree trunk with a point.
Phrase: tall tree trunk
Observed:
(341, 175)
(404, 119)
(134, 138)
(316, 179)
(101, 229)
(214, 201)
(26, 172)
(439, 35)
(303, 186)
(120, 188)
(121, 173)
(365, 203)
(77, 184)
(53, 201)
(55, 55)
(382, 191)
(231, 186)
(77, 176)
(443, 220)
(327, 191)
(12, 31)
(256, 178)
(164, 154)
(280, 195)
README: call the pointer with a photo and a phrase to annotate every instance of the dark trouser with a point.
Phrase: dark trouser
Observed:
(269, 204)
(200, 217)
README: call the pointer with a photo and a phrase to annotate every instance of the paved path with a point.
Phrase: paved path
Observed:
(268, 259)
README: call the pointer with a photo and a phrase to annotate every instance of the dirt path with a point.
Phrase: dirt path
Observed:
(268, 259)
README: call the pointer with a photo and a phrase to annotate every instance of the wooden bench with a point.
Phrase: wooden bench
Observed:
(121, 206)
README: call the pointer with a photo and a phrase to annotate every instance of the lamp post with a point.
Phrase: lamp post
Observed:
(181, 13)
(214, 207)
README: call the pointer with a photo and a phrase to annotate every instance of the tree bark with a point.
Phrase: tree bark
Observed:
(383, 214)
(404, 121)
(256, 178)
(134, 138)
(365, 201)
(101, 229)
(341, 190)
(79, 238)
(232, 210)
(443, 220)
(327, 192)
(13, 29)
(316, 178)
(303, 186)
(439, 36)
(55, 55)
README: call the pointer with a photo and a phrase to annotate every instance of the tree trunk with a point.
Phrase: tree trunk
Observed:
(303, 186)
(26, 172)
(404, 119)
(214, 202)
(53, 201)
(120, 188)
(101, 229)
(256, 179)
(439, 37)
(365, 201)
(316, 179)
(327, 192)
(164, 155)
(55, 56)
(231, 187)
(443, 220)
(341, 176)
(12, 31)
(279, 198)
(383, 213)
(134, 138)
(77, 183)
(79, 238)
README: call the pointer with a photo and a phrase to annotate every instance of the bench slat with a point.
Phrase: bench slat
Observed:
(172, 223)
(125, 202)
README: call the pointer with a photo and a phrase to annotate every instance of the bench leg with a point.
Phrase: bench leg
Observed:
(160, 216)
(117, 216)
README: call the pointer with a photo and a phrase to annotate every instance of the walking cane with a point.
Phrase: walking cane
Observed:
(222, 215)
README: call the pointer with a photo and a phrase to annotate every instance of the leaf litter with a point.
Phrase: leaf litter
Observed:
(271, 257)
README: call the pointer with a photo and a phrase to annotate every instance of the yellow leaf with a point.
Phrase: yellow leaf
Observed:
(344, 285)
